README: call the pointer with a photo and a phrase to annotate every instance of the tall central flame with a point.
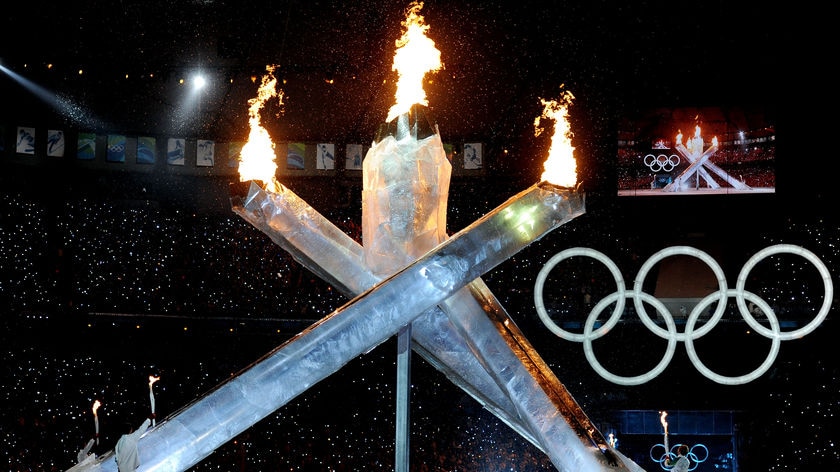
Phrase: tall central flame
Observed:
(662, 420)
(559, 168)
(257, 158)
(415, 56)
(695, 144)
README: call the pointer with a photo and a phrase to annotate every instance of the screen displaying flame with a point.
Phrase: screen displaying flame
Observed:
(662, 415)
(415, 56)
(152, 380)
(96, 405)
(559, 168)
(257, 158)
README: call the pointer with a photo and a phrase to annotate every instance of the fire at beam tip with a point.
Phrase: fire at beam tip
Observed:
(415, 56)
(560, 167)
(257, 158)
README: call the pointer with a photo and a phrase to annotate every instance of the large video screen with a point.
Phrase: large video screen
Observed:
(697, 151)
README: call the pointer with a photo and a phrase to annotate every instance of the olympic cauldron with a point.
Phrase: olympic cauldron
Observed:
(456, 322)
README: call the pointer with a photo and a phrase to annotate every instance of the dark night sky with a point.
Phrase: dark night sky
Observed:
(499, 58)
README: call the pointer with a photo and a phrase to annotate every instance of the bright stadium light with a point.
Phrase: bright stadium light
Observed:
(199, 82)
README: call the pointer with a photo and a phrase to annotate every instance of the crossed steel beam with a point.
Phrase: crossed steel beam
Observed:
(457, 325)
(469, 336)
(699, 163)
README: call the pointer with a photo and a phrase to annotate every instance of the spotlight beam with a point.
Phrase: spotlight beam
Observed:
(66, 107)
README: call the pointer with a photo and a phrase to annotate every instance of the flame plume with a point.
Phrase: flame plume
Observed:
(96, 405)
(559, 167)
(257, 159)
(415, 56)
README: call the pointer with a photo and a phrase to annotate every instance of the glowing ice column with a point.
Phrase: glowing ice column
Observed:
(406, 186)
(196, 431)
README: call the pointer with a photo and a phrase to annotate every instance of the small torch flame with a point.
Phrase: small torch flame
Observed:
(415, 56)
(256, 160)
(559, 167)
(662, 415)
(96, 405)
(152, 380)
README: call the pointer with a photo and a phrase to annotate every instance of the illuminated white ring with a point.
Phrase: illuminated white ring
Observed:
(720, 296)
(559, 257)
(671, 161)
(650, 161)
(660, 458)
(638, 379)
(672, 251)
(697, 460)
(692, 456)
(661, 162)
(791, 249)
(742, 379)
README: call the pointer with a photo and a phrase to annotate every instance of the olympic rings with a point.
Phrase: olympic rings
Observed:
(661, 162)
(693, 457)
(641, 298)
(810, 257)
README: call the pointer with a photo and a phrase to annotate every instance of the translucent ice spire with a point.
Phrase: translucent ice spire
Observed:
(405, 188)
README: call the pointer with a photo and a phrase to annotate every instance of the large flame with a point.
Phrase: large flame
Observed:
(560, 167)
(257, 158)
(695, 144)
(415, 56)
